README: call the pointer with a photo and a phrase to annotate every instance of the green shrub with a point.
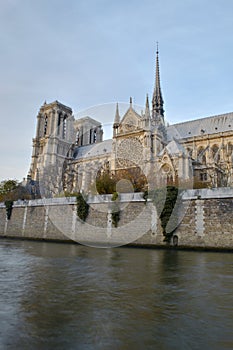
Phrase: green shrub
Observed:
(115, 196)
(116, 217)
(9, 207)
(115, 209)
(82, 207)
(105, 184)
(145, 196)
(164, 200)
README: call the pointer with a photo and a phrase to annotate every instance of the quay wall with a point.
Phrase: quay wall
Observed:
(206, 221)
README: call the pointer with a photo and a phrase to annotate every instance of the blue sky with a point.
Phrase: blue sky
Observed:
(86, 53)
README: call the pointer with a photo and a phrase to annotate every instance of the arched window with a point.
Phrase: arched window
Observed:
(200, 151)
(190, 152)
(201, 157)
(204, 159)
(229, 149)
(167, 173)
(215, 153)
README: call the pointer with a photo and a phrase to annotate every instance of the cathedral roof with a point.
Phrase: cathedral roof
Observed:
(93, 150)
(204, 126)
(86, 120)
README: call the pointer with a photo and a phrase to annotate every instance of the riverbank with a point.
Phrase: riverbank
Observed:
(205, 221)
(130, 245)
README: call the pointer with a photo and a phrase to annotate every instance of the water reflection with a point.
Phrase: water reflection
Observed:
(63, 296)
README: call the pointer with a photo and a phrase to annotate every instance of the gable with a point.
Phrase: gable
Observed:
(130, 121)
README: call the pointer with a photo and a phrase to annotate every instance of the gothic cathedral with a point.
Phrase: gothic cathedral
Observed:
(69, 154)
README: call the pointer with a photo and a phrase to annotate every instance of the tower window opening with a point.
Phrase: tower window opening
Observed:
(45, 125)
(90, 136)
(59, 124)
(77, 138)
(64, 129)
(95, 136)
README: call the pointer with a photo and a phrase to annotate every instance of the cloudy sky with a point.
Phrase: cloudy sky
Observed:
(93, 52)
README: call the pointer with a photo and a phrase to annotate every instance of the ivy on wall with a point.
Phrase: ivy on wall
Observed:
(116, 213)
(9, 208)
(164, 200)
(82, 207)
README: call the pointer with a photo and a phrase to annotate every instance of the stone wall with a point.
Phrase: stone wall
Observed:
(56, 219)
(207, 221)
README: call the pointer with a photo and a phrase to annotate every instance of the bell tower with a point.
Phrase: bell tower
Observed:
(54, 137)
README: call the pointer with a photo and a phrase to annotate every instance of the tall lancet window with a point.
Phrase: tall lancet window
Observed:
(90, 136)
(95, 136)
(77, 138)
(64, 129)
(45, 125)
(59, 123)
(229, 149)
(215, 153)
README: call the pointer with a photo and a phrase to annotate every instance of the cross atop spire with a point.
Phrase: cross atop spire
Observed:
(130, 102)
(157, 101)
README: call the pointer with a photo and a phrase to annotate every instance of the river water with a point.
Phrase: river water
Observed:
(67, 296)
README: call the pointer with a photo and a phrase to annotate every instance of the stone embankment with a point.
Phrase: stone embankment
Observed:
(205, 221)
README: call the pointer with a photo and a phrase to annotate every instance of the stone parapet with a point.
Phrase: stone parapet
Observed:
(208, 193)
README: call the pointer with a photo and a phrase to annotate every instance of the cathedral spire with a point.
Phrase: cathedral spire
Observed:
(157, 101)
(116, 121)
(117, 115)
(147, 109)
(147, 112)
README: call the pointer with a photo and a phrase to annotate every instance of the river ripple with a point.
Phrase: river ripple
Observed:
(66, 296)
